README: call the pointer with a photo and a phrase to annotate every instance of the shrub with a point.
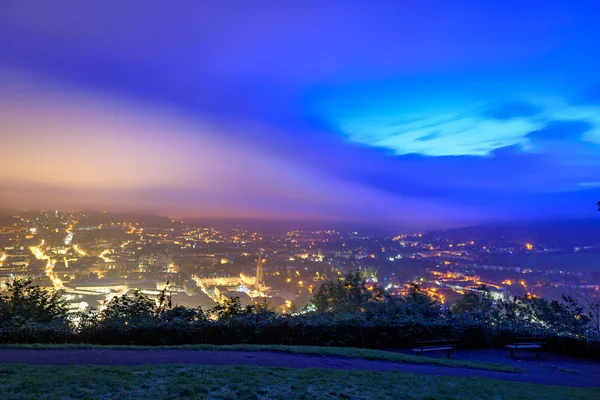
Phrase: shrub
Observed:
(24, 304)
(369, 319)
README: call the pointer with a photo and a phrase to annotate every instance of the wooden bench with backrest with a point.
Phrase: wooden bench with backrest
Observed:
(435, 345)
(536, 344)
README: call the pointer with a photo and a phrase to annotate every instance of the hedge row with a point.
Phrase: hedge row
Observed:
(347, 333)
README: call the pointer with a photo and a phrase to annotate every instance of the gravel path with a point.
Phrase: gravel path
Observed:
(580, 373)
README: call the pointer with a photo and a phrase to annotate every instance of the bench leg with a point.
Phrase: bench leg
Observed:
(512, 354)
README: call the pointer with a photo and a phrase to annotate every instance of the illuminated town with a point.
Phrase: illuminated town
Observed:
(92, 257)
(267, 200)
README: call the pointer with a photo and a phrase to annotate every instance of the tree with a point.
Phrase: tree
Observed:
(25, 303)
(354, 295)
(469, 302)
(232, 307)
(180, 315)
(477, 305)
(418, 303)
(565, 317)
(356, 291)
(135, 310)
(331, 296)
(586, 305)
(349, 295)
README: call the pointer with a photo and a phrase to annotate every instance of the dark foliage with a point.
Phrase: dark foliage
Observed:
(348, 313)
(24, 304)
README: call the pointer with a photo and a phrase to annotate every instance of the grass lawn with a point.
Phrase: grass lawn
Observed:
(251, 382)
(348, 352)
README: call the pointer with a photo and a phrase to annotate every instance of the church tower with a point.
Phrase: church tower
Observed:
(259, 272)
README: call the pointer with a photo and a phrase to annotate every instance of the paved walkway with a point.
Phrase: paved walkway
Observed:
(551, 371)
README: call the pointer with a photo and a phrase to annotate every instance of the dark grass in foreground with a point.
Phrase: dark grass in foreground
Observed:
(347, 352)
(250, 382)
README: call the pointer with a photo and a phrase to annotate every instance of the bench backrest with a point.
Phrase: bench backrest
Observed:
(436, 343)
(541, 341)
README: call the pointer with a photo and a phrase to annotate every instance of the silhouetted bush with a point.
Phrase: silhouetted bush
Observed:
(371, 319)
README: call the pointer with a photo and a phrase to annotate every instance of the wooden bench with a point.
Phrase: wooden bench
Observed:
(435, 345)
(536, 344)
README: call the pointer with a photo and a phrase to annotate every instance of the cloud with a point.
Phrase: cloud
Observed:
(94, 151)
(440, 128)
(513, 110)
(454, 135)
(238, 39)
(590, 184)
(561, 130)
(212, 110)
(431, 136)
(72, 150)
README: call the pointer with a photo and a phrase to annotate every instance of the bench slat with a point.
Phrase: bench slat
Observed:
(419, 349)
(438, 341)
(524, 346)
(536, 344)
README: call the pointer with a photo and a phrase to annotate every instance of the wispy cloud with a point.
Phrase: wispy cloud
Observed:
(102, 152)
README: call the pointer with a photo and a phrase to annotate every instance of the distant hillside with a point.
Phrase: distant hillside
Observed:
(558, 233)
(148, 220)
(6, 220)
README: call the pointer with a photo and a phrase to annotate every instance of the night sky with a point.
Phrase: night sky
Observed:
(421, 114)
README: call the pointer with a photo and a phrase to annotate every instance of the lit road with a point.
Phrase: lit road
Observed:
(38, 252)
(79, 250)
(104, 254)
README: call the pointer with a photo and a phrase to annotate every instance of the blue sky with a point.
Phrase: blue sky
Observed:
(423, 115)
